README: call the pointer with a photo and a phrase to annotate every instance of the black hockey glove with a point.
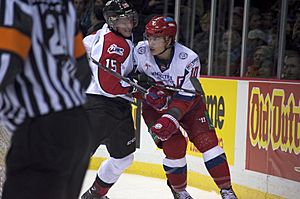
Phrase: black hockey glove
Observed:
(144, 80)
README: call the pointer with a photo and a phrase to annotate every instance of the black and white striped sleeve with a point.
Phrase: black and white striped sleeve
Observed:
(15, 40)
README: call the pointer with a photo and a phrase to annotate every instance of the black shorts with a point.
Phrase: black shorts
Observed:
(112, 124)
(49, 156)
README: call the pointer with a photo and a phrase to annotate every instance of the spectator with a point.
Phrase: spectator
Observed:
(201, 42)
(255, 22)
(262, 63)
(80, 7)
(258, 34)
(141, 7)
(85, 21)
(291, 68)
(228, 58)
(237, 20)
(266, 69)
(256, 38)
(157, 6)
(267, 20)
(296, 35)
(268, 26)
(97, 19)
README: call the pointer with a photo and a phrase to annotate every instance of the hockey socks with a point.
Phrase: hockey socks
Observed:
(217, 166)
(176, 172)
(99, 187)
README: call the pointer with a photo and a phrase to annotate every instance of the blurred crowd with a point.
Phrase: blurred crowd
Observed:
(261, 44)
(90, 18)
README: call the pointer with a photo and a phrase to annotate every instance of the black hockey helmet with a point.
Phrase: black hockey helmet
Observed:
(115, 9)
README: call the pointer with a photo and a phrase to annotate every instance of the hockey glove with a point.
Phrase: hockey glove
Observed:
(143, 80)
(165, 127)
(133, 92)
(157, 98)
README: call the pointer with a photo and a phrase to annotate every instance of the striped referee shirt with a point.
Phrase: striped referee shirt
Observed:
(43, 64)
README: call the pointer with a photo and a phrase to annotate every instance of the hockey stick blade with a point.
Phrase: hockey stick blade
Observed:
(195, 82)
(117, 75)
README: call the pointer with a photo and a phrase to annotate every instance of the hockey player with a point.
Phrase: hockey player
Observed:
(170, 63)
(108, 107)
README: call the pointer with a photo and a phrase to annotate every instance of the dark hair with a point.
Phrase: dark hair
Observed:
(98, 12)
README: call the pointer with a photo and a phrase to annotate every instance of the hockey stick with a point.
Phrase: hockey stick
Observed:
(151, 82)
(195, 82)
(197, 85)
(171, 88)
(117, 75)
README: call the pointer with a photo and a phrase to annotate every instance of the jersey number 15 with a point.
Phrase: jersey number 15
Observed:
(112, 64)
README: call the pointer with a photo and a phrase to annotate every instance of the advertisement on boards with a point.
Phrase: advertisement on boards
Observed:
(220, 98)
(273, 129)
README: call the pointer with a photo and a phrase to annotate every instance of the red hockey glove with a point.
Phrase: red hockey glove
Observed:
(165, 127)
(157, 98)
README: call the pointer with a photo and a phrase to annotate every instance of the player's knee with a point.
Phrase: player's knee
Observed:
(175, 147)
(122, 163)
(205, 141)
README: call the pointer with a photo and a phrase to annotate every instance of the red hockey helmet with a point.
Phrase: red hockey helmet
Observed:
(161, 26)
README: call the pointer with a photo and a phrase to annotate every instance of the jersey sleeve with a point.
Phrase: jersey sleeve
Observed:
(139, 50)
(181, 101)
(15, 40)
(135, 59)
(88, 42)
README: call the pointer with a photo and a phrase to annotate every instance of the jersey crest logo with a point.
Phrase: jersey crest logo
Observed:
(114, 49)
(183, 55)
(142, 50)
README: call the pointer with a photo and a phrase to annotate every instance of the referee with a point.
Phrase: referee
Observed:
(43, 75)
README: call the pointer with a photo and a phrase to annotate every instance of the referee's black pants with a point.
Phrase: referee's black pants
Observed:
(48, 157)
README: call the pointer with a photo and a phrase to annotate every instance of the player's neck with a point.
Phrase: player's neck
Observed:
(165, 55)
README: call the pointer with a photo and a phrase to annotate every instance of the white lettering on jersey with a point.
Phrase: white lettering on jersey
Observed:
(202, 119)
(112, 64)
(131, 141)
(114, 49)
